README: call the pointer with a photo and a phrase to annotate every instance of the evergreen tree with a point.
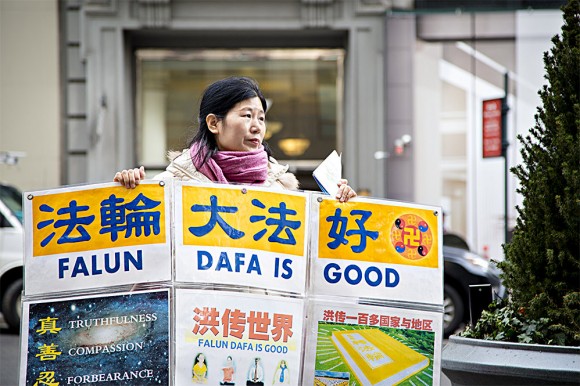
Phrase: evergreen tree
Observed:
(542, 264)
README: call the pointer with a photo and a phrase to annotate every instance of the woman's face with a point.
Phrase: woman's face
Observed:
(243, 128)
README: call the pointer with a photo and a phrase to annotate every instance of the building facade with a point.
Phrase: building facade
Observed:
(395, 86)
(111, 44)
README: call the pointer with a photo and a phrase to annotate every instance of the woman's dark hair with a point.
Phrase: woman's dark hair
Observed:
(197, 357)
(218, 99)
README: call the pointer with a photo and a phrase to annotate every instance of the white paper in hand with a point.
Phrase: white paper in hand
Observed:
(328, 173)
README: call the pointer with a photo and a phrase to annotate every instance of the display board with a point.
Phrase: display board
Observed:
(237, 338)
(354, 344)
(178, 283)
(241, 236)
(116, 339)
(377, 249)
(84, 236)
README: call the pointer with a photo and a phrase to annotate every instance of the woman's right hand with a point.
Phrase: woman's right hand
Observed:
(130, 178)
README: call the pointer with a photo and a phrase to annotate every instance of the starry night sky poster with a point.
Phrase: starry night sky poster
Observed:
(106, 340)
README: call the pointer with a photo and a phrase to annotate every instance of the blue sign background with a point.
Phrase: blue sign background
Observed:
(134, 328)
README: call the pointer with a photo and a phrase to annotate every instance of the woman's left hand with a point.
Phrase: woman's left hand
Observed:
(345, 192)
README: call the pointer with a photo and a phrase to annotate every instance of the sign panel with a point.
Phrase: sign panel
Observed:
(106, 340)
(492, 128)
(377, 249)
(76, 237)
(355, 345)
(241, 236)
(227, 338)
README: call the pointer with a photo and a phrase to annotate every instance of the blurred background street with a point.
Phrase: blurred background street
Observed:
(9, 355)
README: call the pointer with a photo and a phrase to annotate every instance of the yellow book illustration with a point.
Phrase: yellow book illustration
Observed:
(329, 382)
(331, 378)
(376, 358)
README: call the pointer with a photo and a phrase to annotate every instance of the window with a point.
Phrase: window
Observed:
(12, 199)
(303, 88)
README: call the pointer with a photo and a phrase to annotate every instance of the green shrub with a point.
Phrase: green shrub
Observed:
(502, 321)
(542, 265)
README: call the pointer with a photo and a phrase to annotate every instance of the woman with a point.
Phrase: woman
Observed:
(229, 370)
(199, 370)
(282, 375)
(229, 146)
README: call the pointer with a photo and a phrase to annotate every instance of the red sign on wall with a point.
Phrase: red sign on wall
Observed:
(492, 128)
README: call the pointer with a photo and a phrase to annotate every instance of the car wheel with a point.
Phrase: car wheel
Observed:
(453, 310)
(11, 304)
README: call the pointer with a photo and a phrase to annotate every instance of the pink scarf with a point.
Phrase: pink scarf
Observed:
(245, 167)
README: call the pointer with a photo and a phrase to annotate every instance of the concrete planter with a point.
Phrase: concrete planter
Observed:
(467, 361)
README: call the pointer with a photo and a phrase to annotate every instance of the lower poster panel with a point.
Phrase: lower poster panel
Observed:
(233, 338)
(352, 344)
(120, 339)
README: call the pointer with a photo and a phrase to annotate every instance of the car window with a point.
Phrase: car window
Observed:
(12, 198)
(453, 240)
(4, 222)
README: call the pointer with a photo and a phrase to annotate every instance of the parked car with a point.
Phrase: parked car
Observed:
(11, 254)
(463, 268)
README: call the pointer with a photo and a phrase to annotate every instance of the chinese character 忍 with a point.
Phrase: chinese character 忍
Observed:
(46, 378)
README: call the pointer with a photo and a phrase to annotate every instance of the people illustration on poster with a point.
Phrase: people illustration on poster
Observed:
(255, 373)
(199, 369)
(282, 374)
(229, 370)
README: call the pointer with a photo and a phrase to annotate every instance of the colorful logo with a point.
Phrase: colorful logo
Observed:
(411, 236)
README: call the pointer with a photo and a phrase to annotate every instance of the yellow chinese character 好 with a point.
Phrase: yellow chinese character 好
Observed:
(48, 325)
(48, 353)
(46, 378)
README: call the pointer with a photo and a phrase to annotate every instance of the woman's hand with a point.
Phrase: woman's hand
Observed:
(130, 178)
(345, 192)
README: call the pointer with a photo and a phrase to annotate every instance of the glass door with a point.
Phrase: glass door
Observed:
(303, 87)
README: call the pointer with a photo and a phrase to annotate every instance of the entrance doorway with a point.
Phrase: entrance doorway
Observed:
(303, 87)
